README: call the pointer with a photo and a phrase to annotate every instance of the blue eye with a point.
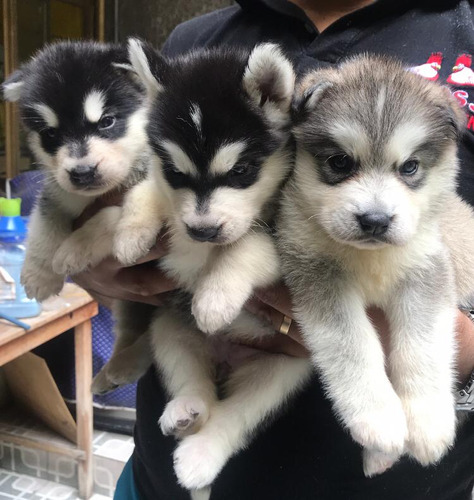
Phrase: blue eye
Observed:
(106, 122)
(410, 167)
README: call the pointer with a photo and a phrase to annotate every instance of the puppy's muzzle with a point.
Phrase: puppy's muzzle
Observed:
(83, 175)
(210, 233)
(374, 223)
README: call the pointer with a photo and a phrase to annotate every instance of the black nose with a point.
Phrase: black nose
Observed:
(374, 223)
(203, 233)
(83, 175)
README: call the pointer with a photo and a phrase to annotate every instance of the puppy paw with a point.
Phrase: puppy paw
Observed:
(133, 241)
(198, 459)
(127, 367)
(383, 429)
(214, 309)
(376, 462)
(431, 427)
(101, 384)
(69, 259)
(183, 415)
(40, 284)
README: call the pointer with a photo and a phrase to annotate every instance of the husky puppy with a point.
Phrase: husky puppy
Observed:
(85, 118)
(370, 217)
(219, 129)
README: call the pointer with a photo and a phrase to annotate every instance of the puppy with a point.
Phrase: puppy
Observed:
(371, 217)
(85, 116)
(219, 129)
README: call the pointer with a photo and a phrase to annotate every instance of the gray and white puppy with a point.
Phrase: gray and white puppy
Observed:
(371, 217)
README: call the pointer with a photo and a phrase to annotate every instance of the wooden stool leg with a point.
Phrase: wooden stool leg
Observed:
(83, 348)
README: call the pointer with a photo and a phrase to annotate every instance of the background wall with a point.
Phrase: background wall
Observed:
(153, 20)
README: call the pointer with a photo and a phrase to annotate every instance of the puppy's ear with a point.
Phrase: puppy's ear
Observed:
(310, 92)
(13, 85)
(148, 64)
(455, 115)
(269, 80)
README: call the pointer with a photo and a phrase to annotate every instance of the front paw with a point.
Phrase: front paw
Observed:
(431, 427)
(101, 384)
(376, 462)
(71, 258)
(40, 284)
(215, 309)
(133, 241)
(198, 459)
(183, 416)
(383, 429)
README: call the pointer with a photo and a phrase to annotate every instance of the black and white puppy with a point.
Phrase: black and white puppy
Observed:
(219, 129)
(85, 118)
(371, 217)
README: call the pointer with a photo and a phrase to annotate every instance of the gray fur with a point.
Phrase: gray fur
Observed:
(374, 112)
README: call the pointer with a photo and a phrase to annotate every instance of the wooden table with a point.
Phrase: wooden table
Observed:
(74, 308)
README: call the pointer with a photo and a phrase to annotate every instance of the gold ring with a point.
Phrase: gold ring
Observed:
(285, 325)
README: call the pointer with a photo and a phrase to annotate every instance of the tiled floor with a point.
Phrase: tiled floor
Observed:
(36, 474)
(18, 486)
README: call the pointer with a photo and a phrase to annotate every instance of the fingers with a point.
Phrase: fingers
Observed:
(274, 317)
(145, 280)
(281, 344)
(278, 297)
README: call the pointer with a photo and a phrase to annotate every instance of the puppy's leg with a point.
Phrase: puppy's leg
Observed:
(347, 351)
(142, 218)
(422, 318)
(89, 244)
(228, 281)
(131, 355)
(183, 357)
(48, 228)
(254, 391)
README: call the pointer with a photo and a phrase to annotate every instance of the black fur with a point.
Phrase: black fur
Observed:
(60, 76)
(212, 81)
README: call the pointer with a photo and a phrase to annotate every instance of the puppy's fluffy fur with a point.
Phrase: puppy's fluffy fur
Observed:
(85, 116)
(371, 217)
(219, 128)
(85, 120)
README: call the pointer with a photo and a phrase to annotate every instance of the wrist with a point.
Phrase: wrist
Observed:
(465, 338)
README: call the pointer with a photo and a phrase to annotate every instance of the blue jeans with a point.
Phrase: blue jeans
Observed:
(126, 489)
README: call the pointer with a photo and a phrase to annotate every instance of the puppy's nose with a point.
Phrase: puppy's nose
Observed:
(203, 233)
(374, 223)
(83, 175)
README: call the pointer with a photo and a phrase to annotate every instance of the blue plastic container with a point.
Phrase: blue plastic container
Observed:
(13, 299)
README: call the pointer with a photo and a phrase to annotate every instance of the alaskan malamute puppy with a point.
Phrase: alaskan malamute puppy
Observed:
(85, 118)
(219, 128)
(370, 217)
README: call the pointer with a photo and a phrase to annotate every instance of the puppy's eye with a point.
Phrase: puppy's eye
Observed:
(106, 122)
(240, 169)
(51, 132)
(174, 171)
(342, 164)
(410, 167)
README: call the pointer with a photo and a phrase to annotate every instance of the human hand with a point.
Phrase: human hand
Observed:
(273, 303)
(109, 280)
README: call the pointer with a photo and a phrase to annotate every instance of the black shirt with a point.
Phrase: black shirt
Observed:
(304, 453)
